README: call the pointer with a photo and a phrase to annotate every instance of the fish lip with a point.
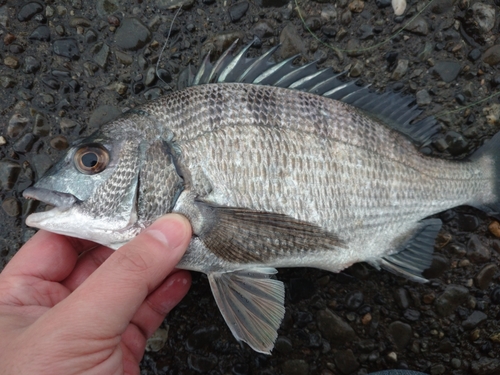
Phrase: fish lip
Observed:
(54, 198)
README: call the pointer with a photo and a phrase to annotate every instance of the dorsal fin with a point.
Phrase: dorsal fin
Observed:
(395, 110)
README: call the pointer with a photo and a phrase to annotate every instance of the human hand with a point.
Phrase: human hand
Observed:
(61, 313)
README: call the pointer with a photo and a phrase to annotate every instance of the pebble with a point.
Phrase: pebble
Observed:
(271, 3)
(263, 29)
(402, 298)
(468, 223)
(411, 315)
(312, 23)
(401, 334)
(3, 141)
(283, 345)
(383, 3)
(483, 15)
(492, 113)
(25, 143)
(238, 10)
(132, 35)
(399, 7)
(59, 143)
(291, 43)
(354, 300)
(66, 47)
(107, 7)
(12, 207)
(41, 33)
(492, 55)
(450, 299)
(474, 54)
(202, 364)
(456, 142)
(174, 4)
(495, 296)
(11, 62)
(401, 69)
(356, 6)
(202, 338)
(295, 367)
(334, 328)
(345, 361)
(124, 58)
(484, 277)
(9, 171)
(16, 125)
(157, 342)
(474, 319)
(100, 54)
(356, 69)
(439, 265)
(476, 251)
(447, 70)
(79, 21)
(418, 26)
(31, 65)
(40, 128)
(486, 366)
(494, 228)
(28, 11)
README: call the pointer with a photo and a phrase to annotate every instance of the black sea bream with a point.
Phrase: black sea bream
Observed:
(275, 166)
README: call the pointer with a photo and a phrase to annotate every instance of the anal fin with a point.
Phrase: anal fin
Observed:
(415, 255)
(252, 305)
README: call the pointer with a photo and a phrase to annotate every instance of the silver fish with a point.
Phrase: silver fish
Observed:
(275, 166)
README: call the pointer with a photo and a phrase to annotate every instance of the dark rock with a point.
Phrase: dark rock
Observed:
(450, 299)
(402, 298)
(418, 26)
(25, 143)
(132, 34)
(174, 4)
(262, 29)
(291, 43)
(100, 54)
(51, 82)
(9, 171)
(412, 315)
(334, 328)
(238, 10)
(476, 318)
(438, 369)
(41, 128)
(59, 143)
(28, 11)
(442, 6)
(202, 364)
(476, 251)
(300, 289)
(31, 65)
(66, 47)
(271, 3)
(383, 3)
(485, 276)
(41, 33)
(365, 32)
(202, 338)
(283, 345)
(447, 70)
(492, 55)
(439, 265)
(401, 334)
(312, 23)
(456, 142)
(486, 366)
(400, 70)
(302, 318)
(240, 369)
(474, 54)
(423, 98)
(468, 223)
(90, 36)
(495, 296)
(345, 361)
(295, 367)
(329, 31)
(12, 207)
(354, 300)
(16, 125)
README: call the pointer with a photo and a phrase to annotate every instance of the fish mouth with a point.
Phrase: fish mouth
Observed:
(54, 198)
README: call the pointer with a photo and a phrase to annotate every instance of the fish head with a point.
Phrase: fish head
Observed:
(94, 188)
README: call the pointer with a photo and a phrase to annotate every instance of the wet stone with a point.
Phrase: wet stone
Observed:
(11, 62)
(476, 251)
(401, 69)
(438, 369)
(41, 127)
(346, 361)
(456, 142)
(334, 328)
(492, 55)
(365, 32)
(7, 81)
(312, 23)
(9, 171)
(438, 266)
(132, 34)
(484, 277)
(354, 300)
(262, 29)
(100, 54)
(383, 3)
(28, 11)
(495, 296)
(31, 65)
(401, 334)
(90, 36)
(238, 10)
(79, 21)
(468, 223)
(474, 54)
(476, 318)
(450, 299)
(295, 367)
(283, 345)
(402, 298)
(41, 33)
(16, 125)
(494, 228)
(25, 143)
(59, 143)
(202, 337)
(291, 42)
(66, 47)
(271, 3)
(486, 366)
(411, 315)
(418, 26)
(12, 207)
(447, 70)
(174, 4)
(201, 364)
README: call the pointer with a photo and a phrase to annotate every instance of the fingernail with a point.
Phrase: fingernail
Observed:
(170, 230)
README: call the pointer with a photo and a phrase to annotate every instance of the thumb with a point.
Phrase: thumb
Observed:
(109, 298)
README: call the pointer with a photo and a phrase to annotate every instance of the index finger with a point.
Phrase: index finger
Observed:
(47, 256)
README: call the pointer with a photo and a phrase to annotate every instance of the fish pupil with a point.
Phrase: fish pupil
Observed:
(90, 159)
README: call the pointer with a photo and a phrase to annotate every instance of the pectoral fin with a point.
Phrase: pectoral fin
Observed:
(415, 255)
(252, 305)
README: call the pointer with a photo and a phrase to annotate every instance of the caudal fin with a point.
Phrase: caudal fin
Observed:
(489, 156)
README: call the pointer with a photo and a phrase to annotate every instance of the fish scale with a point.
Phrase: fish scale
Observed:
(270, 177)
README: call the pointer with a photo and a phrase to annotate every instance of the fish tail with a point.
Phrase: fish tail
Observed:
(488, 156)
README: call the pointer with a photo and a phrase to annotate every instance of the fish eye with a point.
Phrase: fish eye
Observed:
(91, 159)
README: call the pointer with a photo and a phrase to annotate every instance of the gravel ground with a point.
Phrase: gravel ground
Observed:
(67, 66)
